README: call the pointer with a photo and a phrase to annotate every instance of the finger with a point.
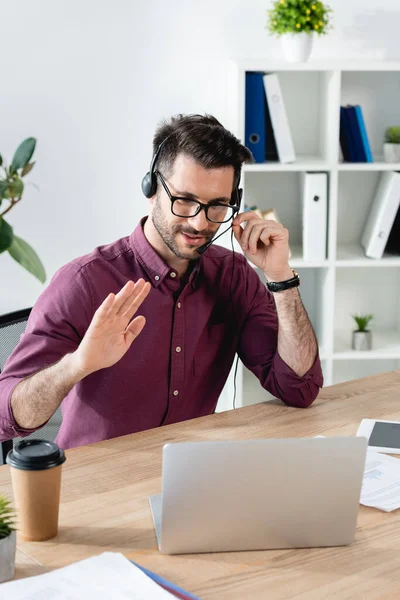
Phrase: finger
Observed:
(237, 232)
(246, 234)
(135, 291)
(132, 308)
(134, 329)
(104, 308)
(249, 215)
(122, 295)
(255, 235)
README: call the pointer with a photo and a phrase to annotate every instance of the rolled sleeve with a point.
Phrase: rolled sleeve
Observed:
(55, 328)
(293, 390)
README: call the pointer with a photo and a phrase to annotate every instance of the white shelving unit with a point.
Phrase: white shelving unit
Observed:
(346, 282)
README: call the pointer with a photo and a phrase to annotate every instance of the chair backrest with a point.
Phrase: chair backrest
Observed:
(12, 326)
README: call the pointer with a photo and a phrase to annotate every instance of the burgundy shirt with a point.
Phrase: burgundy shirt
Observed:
(177, 367)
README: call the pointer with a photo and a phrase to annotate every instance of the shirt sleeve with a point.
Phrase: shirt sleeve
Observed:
(55, 327)
(258, 349)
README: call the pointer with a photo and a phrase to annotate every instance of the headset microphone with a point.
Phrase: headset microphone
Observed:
(204, 247)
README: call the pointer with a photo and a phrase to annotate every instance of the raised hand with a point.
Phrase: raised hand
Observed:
(111, 331)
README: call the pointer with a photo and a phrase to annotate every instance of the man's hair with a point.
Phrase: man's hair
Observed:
(203, 139)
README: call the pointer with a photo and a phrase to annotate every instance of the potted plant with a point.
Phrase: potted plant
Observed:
(362, 337)
(391, 147)
(7, 540)
(296, 22)
(11, 190)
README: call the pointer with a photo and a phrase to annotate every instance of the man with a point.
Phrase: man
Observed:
(117, 370)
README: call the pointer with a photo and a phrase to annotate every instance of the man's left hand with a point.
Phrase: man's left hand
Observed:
(265, 243)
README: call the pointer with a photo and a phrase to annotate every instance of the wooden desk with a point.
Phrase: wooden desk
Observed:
(104, 506)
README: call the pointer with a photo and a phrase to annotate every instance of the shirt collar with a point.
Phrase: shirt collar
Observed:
(156, 268)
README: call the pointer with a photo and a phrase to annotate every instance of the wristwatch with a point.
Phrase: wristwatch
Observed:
(279, 286)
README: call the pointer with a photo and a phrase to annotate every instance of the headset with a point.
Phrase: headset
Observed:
(149, 188)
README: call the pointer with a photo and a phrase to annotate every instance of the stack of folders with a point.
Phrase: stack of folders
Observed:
(315, 215)
(353, 135)
(267, 130)
(382, 230)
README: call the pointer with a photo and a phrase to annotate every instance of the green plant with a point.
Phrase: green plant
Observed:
(296, 16)
(392, 135)
(362, 321)
(11, 190)
(7, 518)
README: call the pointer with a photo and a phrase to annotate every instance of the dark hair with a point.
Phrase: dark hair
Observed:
(204, 139)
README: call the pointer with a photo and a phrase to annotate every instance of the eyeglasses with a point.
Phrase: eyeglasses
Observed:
(217, 212)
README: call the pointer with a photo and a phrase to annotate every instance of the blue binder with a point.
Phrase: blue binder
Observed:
(363, 132)
(255, 118)
(356, 134)
(344, 136)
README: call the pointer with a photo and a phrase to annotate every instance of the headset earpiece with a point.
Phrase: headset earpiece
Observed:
(149, 181)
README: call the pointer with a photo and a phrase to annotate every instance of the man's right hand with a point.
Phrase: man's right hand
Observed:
(111, 332)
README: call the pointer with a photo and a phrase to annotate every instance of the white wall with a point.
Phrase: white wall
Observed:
(91, 79)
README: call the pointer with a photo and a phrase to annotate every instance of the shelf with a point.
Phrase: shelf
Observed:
(352, 255)
(263, 64)
(303, 163)
(379, 165)
(385, 344)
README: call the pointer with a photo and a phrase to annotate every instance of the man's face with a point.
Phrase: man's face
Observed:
(189, 180)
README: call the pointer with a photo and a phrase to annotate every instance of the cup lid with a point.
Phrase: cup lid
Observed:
(35, 455)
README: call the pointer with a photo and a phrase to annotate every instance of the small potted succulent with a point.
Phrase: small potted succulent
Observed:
(391, 147)
(7, 540)
(362, 336)
(297, 22)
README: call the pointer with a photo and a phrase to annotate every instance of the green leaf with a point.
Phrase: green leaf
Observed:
(6, 235)
(23, 154)
(27, 169)
(25, 255)
(3, 188)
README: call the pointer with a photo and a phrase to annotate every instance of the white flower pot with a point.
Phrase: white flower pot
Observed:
(297, 46)
(361, 340)
(391, 153)
(7, 557)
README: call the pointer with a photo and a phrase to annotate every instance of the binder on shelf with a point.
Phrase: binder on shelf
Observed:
(382, 214)
(315, 214)
(393, 243)
(279, 120)
(363, 132)
(360, 155)
(255, 116)
(344, 136)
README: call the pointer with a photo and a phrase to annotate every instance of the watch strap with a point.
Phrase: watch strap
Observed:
(279, 286)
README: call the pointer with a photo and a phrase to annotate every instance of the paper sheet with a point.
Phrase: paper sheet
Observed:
(381, 482)
(108, 575)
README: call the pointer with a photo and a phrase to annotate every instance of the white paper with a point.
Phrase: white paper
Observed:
(381, 482)
(108, 575)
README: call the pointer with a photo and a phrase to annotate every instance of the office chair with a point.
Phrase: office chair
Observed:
(12, 326)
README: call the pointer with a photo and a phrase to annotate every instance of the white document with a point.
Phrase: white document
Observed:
(279, 120)
(315, 207)
(382, 214)
(108, 575)
(381, 482)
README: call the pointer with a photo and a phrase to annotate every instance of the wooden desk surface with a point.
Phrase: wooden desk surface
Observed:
(104, 506)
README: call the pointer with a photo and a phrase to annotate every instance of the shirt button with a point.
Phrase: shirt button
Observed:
(179, 305)
(172, 274)
(176, 392)
(178, 348)
(157, 277)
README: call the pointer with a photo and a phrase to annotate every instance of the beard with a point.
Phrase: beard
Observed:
(169, 233)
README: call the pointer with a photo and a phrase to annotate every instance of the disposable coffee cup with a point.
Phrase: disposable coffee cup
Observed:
(36, 480)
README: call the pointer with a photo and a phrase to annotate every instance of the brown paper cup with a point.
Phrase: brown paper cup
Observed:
(35, 467)
(37, 500)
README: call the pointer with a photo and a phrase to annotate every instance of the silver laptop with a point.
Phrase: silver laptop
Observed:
(259, 494)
